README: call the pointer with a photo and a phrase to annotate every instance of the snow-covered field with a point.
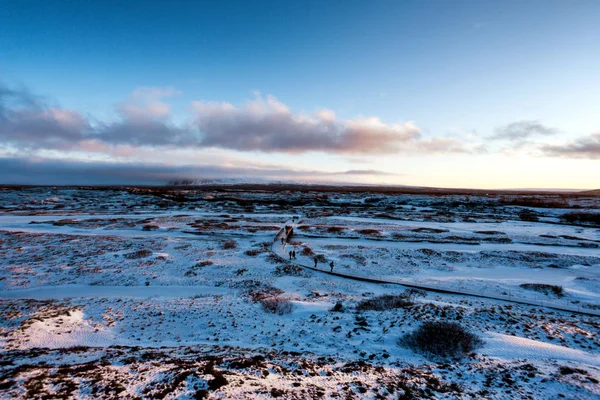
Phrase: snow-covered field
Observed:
(156, 293)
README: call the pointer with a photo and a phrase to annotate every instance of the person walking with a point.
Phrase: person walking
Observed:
(294, 254)
(282, 239)
(290, 254)
(331, 265)
(316, 261)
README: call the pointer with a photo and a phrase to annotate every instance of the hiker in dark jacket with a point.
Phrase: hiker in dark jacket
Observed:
(294, 254)
(316, 261)
(290, 254)
(331, 265)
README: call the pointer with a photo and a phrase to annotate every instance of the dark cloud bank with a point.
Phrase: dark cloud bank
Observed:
(18, 171)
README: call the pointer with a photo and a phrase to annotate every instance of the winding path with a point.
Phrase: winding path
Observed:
(280, 252)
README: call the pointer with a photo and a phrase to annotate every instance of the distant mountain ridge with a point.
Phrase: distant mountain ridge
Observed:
(220, 181)
(300, 182)
(259, 181)
(595, 192)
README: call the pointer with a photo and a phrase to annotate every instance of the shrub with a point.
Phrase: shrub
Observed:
(218, 380)
(495, 239)
(442, 339)
(273, 258)
(256, 289)
(229, 245)
(533, 202)
(307, 251)
(64, 222)
(564, 370)
(370, 232)
(150, 227)
(582, 217)
(385, 302)
(205, 263)
(412, 294)
(321, 258)
(429, 230)
(265, 293)
(544, 288)
(529, 216)
(335, 229)
(276, 305)
(338, 307)
(290, 269)
(429, 252)
(138, 254)
(199, 265)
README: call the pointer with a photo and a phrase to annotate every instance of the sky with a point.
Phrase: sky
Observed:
(445, 93)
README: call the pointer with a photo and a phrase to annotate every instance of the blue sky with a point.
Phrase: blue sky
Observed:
(447, 78)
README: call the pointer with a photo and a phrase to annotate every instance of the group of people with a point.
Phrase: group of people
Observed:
(292, 253)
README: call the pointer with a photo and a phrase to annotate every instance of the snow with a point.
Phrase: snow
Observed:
(67, 331)
(506, 347)
(85, 291)
(467, 248)
(152, 303)
(508, 227)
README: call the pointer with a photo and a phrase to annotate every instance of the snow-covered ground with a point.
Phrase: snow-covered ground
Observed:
(134, 293)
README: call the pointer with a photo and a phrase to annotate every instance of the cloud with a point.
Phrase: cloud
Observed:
(443, 145)
(16, 170)
(270, 126)
(371, 172)
(145, 131)
(585, 147)
(522, 130)
(144, 120)
(27, 122)
(145, 102)
(262, 124)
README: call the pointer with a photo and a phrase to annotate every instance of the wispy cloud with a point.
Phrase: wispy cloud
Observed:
(585, 147)
(365, 172)
(522, 130)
